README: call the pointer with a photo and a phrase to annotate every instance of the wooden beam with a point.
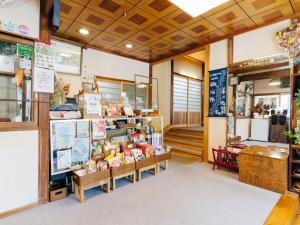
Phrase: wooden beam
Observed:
(43, 113)
(265, 75)
(206, 105)
(230, 51)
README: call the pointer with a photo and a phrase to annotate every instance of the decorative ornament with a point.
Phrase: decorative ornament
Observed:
(289, 39)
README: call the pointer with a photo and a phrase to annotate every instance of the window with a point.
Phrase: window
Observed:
(112, 90)
(15, 81)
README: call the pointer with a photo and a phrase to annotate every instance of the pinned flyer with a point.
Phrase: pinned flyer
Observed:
(43, 80)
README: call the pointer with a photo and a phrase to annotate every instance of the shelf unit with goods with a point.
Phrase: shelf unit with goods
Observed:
(294, 152)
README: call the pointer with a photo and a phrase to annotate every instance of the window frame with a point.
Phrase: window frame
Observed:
(20, 126)
(122, 82)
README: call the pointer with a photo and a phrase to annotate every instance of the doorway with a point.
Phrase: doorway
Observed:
(187, 94)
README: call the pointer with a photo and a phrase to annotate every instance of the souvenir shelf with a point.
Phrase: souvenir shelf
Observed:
(294, 152)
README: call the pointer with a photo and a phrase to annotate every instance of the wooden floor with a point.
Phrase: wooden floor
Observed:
(285, 211)
(186, 141)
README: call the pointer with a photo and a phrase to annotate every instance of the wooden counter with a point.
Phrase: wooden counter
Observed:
(264, 167)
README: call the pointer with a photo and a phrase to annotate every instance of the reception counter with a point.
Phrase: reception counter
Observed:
(264, 167)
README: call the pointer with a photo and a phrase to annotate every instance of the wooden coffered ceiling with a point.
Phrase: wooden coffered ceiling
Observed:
(158, 29)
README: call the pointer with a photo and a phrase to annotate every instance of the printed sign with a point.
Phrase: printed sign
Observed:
(43, 80)
(25, 51)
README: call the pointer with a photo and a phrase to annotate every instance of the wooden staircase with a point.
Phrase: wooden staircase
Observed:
(285, 211)
(186, 141)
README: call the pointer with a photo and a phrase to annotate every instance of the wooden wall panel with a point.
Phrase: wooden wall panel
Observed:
(180, 118)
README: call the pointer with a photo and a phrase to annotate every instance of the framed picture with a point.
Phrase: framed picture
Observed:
(233, 81)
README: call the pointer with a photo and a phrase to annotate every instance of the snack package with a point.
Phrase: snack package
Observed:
(146, 149)
(102, 165)
(128, 159)
(159, 150)
(137, 154)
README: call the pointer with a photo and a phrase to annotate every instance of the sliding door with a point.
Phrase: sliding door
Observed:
(186, 101)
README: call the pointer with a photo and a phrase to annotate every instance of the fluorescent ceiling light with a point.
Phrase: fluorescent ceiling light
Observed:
(275, 82)
(65, 55)
(197, 7)
(84, 31)
(129, 45)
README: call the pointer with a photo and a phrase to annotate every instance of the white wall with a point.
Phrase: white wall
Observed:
(258, 43)
(113, 66)
(187, 67)
(217, 126)
(162, 71)
(263, 87)
(243, 128)
(22, 12)
(18, 169)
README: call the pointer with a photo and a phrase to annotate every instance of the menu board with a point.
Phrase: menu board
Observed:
(217, 92)
(44, 55)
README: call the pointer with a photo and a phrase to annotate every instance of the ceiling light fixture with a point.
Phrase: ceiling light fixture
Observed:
(196, 8)
(84, 31)
(274, 82)
(129, 45)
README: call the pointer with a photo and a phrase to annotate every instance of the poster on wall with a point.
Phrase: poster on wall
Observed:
(217, 92)
(98, 129)
(43, 80)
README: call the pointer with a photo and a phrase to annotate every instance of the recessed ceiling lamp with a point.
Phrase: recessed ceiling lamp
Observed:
(274, 82)
(196, 7)
(129, 45)
(84, 31)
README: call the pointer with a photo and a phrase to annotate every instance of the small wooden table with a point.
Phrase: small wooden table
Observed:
(264, 167)
(83, 181)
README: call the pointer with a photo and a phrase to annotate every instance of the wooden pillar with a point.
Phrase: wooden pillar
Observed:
(43, 113)
(206, 104)
(150, 86)
(172, 87)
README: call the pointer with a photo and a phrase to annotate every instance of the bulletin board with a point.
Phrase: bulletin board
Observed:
(217, 92)
(70, 144)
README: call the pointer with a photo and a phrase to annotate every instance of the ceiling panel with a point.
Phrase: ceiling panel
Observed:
(238, 27)
(121, 29)
(228, 16)
(157, 28)
(138, 18)
(143, 38)
(94, 19)
(199, 28)
(70, 9)
(108, 39)
(253, 7)
(158, 8)
(296, 5)
(112, 8)
(160, 29)
(278, 13)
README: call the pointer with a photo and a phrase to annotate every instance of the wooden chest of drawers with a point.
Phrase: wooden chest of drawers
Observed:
(264, 167)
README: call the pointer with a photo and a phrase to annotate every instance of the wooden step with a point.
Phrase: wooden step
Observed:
(183, 135)
(184, 141)
(184, 148)
(285, 210)
(183, 131)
